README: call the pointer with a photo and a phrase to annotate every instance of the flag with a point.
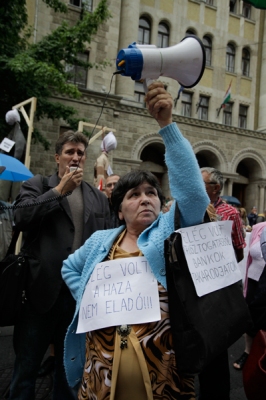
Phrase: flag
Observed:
(226, 99)
(178, 94)
(227, 96)
(100, 186)
(257, 3)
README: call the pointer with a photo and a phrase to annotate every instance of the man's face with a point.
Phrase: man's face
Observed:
(212, 188)
(73, 155)
(109, 184)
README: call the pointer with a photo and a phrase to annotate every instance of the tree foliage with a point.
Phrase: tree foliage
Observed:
(38, 69)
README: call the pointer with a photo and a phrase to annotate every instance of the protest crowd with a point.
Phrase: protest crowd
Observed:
(97, 284)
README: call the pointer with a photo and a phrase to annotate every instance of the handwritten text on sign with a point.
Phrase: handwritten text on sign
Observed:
(119, 292)
(210, 256)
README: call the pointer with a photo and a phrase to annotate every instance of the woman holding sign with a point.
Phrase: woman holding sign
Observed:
(119, 345)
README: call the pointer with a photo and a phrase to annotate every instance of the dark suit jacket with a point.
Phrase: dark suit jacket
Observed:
(49, 234)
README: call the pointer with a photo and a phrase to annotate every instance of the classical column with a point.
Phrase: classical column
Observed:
(229, 187)
(129, 25)
(262, 197)
(262, 83)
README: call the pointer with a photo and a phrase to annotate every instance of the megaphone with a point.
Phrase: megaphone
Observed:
(184, 62)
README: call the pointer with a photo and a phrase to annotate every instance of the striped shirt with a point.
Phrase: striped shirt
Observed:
(230, 213)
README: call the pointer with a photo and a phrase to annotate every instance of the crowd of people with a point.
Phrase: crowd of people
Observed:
(71, 243)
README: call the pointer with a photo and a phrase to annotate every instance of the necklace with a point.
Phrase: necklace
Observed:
(123, 331)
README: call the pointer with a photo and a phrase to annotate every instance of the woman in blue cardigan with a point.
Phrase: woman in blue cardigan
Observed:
(134, 360)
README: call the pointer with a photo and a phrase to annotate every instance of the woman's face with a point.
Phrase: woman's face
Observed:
(140, 207)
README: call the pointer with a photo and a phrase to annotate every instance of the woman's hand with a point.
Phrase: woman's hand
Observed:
(159, 103)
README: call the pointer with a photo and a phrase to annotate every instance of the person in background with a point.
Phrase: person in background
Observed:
(136, 361)
(51, 231)
(260, 218)
(252, 216)
(215, 379)
(213, 180)
(109, 187)
(244, 219)
(254, 269)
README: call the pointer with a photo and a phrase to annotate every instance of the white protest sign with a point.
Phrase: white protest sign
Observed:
(210, 256)
(7, 144)
(119, 292)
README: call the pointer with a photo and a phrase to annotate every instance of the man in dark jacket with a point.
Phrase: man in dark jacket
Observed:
(109, 187)
(52, 230)
(252, 216)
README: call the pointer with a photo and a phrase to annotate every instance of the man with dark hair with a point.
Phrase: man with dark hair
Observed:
(252, 216)
(52, 230)
(110, 182)
(215, 379)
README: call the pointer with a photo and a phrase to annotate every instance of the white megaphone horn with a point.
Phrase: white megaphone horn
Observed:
(184, 62)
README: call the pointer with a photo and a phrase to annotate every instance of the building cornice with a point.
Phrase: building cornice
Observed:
(118, 103)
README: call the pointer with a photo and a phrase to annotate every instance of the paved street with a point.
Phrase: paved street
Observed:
(44, 385)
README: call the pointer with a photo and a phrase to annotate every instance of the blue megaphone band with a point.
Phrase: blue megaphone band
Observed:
(130, 61)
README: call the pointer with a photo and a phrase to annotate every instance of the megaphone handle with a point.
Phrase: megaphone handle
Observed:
(147, 82)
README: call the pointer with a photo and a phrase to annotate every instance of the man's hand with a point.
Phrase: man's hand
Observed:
(159, 103)
(70, 181)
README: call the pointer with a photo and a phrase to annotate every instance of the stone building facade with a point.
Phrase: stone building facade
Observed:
(223, 138)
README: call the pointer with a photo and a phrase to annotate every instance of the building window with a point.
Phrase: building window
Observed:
(227, 116)
(230, 58)
(190, 32)
(186, 104)
(207, 43)
(163, 35)
(202, 108)
(87, 4)
(210, 2)
(77, 74)
(245, 62)
(233, 6)
(139, 93)
(246, 10)
(144, 34)
(242, 118)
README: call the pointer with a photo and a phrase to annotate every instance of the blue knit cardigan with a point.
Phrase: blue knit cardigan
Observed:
(187, 188)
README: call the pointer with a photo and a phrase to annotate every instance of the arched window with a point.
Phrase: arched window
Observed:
(245, 62)
(190, 32)
(79, 3)
(230, 58)
(144, 35)
(163, 35)
(246, 10)
(233, 6)
(227, 114)
(207, 43)
(242, 118)
(186, 104)
(203, 107)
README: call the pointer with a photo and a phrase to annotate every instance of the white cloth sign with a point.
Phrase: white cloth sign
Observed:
(210, 256)
(109, 171)
(119, 292)
(7, 144)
